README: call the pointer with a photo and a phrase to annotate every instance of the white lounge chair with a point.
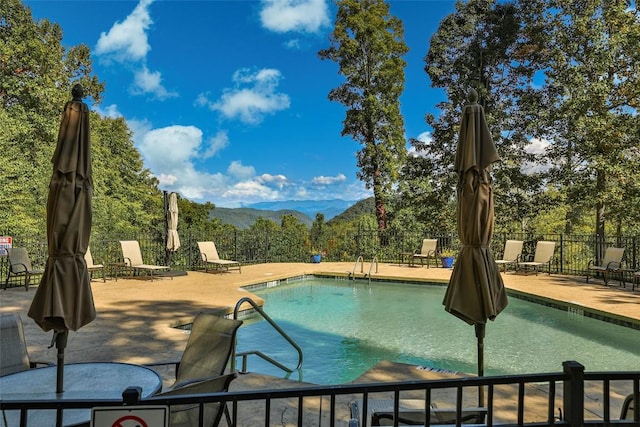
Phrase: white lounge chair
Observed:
(611, 262)
(91, 266)
(543, 256)
(511, 254)
(427, 252)
(209, 256)
(132, 257)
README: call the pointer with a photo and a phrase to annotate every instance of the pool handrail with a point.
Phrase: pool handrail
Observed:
(284, 335)
(360, 259)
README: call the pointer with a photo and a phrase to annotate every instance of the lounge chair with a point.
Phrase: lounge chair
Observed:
(628, 408)
(93, 267)
(511, 255)
(132, 258)
(411, 412)
(209, 256)
(427, 252)
(20, 265)
(611, 262)
(543, 256)
(13, 346)
(201, 368)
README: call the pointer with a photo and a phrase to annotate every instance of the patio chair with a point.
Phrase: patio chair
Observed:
(411, 412)
(20, 265)
(132, 257)
(511, 254)
(628, 408)
(188, 415)
(543, 256)
(209, 256)
(210, 347)
(13, 346)
(611, 262)
(91, 267)
(427, 252)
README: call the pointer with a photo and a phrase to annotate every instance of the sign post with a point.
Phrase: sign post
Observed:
(6, 242)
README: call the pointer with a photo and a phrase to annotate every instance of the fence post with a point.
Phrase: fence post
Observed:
(561, 253)
(131, 395)
(573, 400)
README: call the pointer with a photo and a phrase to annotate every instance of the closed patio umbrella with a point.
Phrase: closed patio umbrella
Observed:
(475, 292)
(64, 300)
(173, 239)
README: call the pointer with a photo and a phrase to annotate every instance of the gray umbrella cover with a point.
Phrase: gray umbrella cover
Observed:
(64, 300)
(476, 291)
(173, 239)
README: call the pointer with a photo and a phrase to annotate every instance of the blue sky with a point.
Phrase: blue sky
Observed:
(228, 99)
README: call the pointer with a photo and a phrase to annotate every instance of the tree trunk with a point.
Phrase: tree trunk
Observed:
(600, 218)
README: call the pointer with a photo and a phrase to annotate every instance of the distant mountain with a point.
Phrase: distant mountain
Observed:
(245, 217)
(329, 208)
(364, 206)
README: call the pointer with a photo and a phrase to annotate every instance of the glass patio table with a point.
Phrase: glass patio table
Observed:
(103, 380)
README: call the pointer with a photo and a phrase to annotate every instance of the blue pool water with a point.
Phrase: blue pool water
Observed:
(344, 329)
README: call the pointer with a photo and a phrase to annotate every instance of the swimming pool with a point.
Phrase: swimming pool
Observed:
(345, 328)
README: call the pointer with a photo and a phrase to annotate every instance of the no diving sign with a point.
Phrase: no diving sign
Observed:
(130, 416)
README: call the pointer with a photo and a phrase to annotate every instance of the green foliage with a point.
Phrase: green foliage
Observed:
(36, 76)
(318, 235)
(368, 45)
(363, 207)
(477, 47)
(587, 56)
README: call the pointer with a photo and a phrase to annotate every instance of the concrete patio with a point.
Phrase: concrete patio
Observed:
(136, 319)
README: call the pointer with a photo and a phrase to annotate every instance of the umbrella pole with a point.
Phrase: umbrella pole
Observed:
(480, 331)
(61, 343)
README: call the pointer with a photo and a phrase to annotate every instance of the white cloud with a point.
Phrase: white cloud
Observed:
(174, 155)
(254, 96)
(167, 150)
(110, 111)
(127, 40)
(279, 181)
(329, 180)
(215, 144)
(239, 171)
(150, 82)
(537, 146)
(306, 16)
(293, 44)
(423, 137)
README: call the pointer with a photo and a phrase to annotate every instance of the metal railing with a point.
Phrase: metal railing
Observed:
(564, 391)
(572, 255)
(245, 354)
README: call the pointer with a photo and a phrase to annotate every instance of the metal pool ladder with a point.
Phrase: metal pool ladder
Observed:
(361, 261)
(245, 354)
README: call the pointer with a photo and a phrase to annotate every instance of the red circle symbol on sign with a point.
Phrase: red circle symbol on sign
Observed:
(139, 422)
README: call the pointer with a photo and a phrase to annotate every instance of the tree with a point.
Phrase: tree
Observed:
(36, 76)
(589, 59)
(368, 45)
(480, 46)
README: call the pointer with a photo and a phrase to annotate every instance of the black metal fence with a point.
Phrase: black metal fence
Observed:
(572, 254)
(566, 400)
